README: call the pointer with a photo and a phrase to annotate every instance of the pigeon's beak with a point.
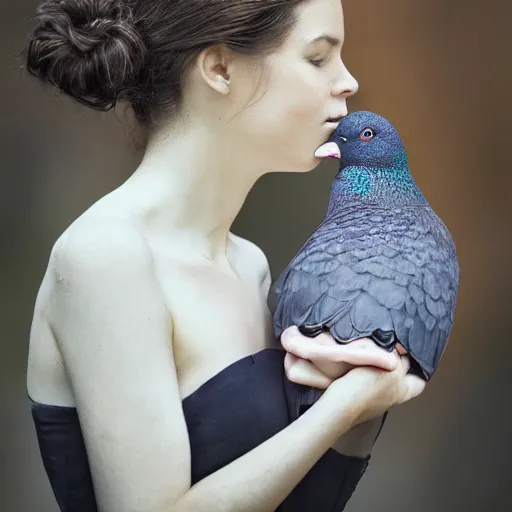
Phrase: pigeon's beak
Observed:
(331, 149)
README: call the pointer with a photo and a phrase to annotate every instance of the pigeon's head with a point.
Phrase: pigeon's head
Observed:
(364, 139)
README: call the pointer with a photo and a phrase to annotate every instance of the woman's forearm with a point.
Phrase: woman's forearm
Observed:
(261, 479)
(359, 440)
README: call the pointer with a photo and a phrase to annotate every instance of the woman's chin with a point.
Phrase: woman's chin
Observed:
(314, 163)
(303, 168)
(303, 165)
(311, 165)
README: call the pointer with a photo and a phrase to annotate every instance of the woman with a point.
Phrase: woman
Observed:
(154, 374)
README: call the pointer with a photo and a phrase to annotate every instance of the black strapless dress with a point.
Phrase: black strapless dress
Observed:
(233, 412)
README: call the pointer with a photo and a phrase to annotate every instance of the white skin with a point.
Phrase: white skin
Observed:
(127, 282)
(220, 146)
(231, 133)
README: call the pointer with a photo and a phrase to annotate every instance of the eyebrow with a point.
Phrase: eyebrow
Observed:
(333, 41)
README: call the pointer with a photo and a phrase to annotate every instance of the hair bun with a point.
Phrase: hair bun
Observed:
(89, 49)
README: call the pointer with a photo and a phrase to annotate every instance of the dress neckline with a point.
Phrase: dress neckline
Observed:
(244, 361)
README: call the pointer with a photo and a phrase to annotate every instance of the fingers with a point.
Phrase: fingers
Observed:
(333, 370)
(304, 372)
(361, 352)
(414, 386)
(406, 363)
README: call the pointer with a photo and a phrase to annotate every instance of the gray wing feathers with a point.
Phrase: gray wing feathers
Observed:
(367, 270)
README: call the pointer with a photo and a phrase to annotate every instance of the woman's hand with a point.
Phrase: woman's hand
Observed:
(318, 361)
(373, 391)
(373, 379)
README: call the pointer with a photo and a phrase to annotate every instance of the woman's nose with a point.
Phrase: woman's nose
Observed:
(346, 85)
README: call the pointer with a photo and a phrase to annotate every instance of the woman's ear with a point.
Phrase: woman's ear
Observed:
(215, 67)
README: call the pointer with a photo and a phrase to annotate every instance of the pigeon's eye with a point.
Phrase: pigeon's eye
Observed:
(367, 134)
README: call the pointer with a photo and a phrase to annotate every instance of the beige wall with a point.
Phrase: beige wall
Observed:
(441, 72)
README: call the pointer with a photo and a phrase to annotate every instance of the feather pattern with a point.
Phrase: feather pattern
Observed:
(382, 264)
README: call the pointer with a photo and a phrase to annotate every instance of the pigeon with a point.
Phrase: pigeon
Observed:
(381, 264)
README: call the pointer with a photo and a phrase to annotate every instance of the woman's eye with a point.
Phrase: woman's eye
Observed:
(367, 134)
(317, 62)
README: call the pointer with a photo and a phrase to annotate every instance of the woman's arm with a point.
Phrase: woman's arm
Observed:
(262, 478)
(358, 440)
(115, 334)
(312, 361)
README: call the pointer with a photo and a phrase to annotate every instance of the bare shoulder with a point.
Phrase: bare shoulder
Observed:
(99, 257)
(255, 256)
(95, 243)
(115, 334)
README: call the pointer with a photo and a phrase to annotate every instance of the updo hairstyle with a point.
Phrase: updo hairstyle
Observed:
(100, 52)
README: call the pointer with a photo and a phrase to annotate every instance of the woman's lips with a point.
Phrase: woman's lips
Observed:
(336, 119)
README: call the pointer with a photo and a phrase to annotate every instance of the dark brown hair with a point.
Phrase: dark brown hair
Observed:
(103, 51)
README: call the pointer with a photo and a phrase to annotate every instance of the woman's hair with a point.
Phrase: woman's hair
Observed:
(102, 51)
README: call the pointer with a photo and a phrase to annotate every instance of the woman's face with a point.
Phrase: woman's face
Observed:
(307, 84)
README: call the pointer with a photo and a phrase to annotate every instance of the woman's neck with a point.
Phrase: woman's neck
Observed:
(192, 186)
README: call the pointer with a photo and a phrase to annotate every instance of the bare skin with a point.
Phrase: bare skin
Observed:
(129, 316)
(318, 362)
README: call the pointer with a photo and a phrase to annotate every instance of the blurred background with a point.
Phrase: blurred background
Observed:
(441, 72)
